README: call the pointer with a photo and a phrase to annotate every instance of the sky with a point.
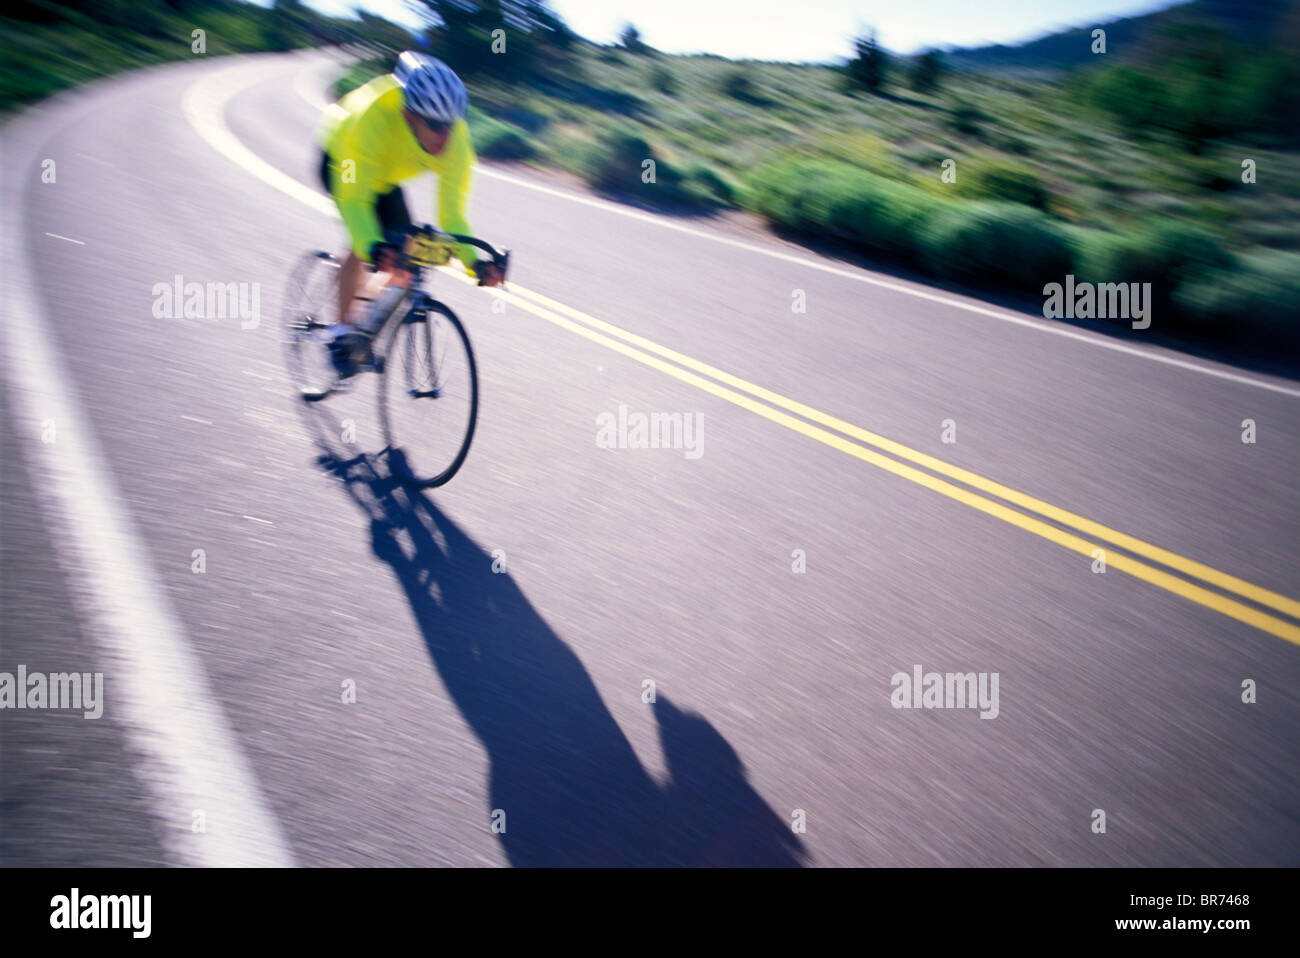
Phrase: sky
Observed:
(807, 30)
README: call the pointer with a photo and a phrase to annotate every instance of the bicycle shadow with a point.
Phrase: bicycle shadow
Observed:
(571, 788)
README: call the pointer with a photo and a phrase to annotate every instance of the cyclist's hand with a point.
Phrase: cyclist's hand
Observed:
(489, 274)
(385, 256)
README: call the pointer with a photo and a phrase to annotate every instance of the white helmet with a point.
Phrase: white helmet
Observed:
(433, 91)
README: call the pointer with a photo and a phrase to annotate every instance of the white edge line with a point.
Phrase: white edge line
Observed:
(156, 685)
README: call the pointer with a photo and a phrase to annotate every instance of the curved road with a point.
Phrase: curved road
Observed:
(499, 633)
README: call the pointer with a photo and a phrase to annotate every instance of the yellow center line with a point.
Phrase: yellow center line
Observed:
(532, 302)
(1087, 526)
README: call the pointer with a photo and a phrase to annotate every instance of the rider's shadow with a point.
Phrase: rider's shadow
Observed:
(568, 786)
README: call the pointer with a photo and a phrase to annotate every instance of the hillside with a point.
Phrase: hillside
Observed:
(1247, 21)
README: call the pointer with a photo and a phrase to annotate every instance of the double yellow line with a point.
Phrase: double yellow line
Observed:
(869, 447)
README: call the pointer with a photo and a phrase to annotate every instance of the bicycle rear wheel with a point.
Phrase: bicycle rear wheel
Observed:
(309, 297)
(428, 394)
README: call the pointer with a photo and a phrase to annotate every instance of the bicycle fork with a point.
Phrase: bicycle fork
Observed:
(422, 347)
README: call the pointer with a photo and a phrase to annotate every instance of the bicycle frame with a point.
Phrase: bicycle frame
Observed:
(425, 248)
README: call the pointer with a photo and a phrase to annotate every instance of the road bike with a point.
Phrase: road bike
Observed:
(428, 381)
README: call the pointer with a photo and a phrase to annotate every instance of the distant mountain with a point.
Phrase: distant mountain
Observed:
(1265, 22)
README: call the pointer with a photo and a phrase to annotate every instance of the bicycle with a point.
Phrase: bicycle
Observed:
(409, 348)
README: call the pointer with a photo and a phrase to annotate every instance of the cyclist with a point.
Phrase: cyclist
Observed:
(387, 131)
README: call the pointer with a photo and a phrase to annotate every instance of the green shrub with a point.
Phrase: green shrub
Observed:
(567, 150)
(927, 72)
(999, 244)
(966, 118)
(866, 151)
(1095, 254)
(663, 80)
(1218, 213)
(785, 190)
(707, 187)
(503, 141)
(615, 160)
(1253, 300)
(739, 85)
(1164, 254)
(997, 179)
(825, 196)
(1137, 100)
(1010, 143)
(1196, 284)
(531, 116)
(1187, 175)
(233, 29)
(1276, 235)
(707, 130)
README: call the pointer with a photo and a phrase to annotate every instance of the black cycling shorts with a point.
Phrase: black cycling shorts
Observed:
(390, 207)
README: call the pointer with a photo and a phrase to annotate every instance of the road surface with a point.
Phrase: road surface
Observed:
(894, 477)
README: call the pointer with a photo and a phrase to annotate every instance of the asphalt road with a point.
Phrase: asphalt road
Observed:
(499, 631)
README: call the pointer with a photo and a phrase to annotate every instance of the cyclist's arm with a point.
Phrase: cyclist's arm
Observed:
(359, 136)
(453, 191)
(356, 202)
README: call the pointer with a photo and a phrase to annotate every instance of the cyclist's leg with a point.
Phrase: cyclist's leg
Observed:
(394, 220)
(350, 276)
(345, 341)
(352, 267)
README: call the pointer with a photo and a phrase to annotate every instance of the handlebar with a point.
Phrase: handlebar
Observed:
(427, 246)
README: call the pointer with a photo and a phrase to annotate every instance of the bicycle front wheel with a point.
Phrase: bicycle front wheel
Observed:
(428, 395)
(309, 297)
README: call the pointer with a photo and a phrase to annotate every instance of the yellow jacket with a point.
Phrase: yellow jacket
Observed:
(367, 128)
